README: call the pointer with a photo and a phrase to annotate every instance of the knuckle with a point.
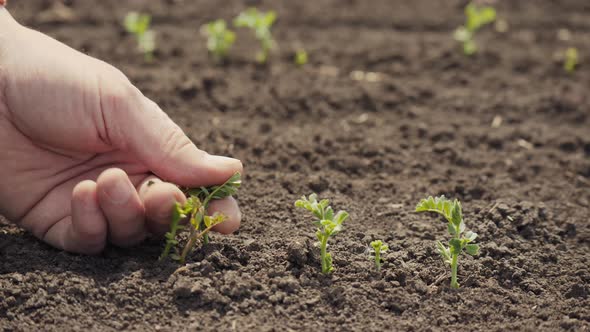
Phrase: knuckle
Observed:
(117, 92)
(174, 141)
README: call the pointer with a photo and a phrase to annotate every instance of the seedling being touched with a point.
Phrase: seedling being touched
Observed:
(139, 25)
(200, 223)
(459, 242)
(260, 23)
(328, 224)
(378, 248)
(219, 38)
(475, 18)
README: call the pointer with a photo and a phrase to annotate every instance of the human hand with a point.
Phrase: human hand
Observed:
(79, 144)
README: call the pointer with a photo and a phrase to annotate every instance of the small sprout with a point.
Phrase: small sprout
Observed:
(200, 223)
(328, 224)
(219, 38)
(475, 18)
(301, 57)
(452, 212)
(139, 25)
(571, 59)
(378, 248)
(260, 22)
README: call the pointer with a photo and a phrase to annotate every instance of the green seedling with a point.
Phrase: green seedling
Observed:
(378, 248)
(139, 25)
(328, 224)
(459, 242)
(219, 38)
(571, 59)
(195, 209)
(301, 57)
(475, 18)
(260, 23)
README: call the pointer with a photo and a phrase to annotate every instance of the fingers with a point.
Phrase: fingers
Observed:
(85, 231)
(122, 208)
(113, 207)
(171, 155)
(136, 124)
(229, 207)
(159, 198)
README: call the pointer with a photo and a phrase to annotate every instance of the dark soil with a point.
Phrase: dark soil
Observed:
(374, 148)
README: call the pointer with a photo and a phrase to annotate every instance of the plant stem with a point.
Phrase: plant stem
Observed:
(323, 246)
(378, 260)
(169, 243)
(166, 250)
(454, 263)
(191, 242)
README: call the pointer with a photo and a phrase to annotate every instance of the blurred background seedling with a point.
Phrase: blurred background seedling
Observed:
(571, 59)
(219, 39)
(301, 57)
(138, 24)
(378, 248)
(475, 18)
(261, 23)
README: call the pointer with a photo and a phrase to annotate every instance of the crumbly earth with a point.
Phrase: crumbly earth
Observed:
(506, 132)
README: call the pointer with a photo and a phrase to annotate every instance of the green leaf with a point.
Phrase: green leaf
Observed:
(571, 59)
(455, 246)
(340, 217)
(329, 213)
(440, 205)
(301, 57)
(451, 228)
(472, 249)
(456, 213)
(470, 236)
(137, 23)
(444, 252)
(268, 19)
(476, 16)
(130, 22)
(329, 226)
(486, 15)
(228, 188)
(379, 246)
(216, 219)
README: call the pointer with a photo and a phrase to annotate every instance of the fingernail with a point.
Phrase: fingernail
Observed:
(225, 162)
(119, 193)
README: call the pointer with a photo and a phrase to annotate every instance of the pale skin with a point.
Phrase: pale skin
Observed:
(79, 144)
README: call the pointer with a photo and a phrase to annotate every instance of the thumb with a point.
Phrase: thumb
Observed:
(136, 124)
